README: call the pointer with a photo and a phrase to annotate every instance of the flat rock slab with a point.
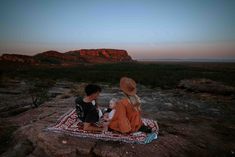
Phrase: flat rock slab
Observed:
(184, 130)
(207, 86)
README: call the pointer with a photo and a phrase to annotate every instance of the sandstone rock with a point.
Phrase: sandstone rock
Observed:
(101, 55)
(54, 56)
(22, 149)
(182, 133)
(207, 86)
(15, 58)
(71, 57)
(108, 151)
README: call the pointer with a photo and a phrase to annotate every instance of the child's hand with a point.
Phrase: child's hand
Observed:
(105, 118)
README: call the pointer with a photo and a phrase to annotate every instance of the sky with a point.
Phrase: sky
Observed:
(147, 29)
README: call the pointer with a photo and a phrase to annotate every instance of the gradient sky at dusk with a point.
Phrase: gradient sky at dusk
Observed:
(139, 26)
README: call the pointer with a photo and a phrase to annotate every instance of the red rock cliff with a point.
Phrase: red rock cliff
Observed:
(102, 55)
(18, 58)
(71, 57)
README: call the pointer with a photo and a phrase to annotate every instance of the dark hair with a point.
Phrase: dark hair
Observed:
(92, 88)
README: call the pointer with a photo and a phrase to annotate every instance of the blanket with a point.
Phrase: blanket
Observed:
(69, 124)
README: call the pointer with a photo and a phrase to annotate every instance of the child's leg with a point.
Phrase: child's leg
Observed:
(105, 126)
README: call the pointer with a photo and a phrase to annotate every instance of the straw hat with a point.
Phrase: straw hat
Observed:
(128, 86)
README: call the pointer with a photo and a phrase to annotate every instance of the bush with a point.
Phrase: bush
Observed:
(38, 90)
(162, 75)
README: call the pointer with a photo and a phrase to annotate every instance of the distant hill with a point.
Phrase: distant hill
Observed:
(70, 57)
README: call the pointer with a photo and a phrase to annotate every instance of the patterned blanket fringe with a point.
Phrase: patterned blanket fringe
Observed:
(105, 136)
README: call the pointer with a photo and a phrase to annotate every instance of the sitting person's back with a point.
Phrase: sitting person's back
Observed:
(127, 117)
(87, 112)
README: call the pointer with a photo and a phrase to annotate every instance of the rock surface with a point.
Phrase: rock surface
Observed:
(71, 57)
(15, 58)
(189, 126)
(207, 86)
